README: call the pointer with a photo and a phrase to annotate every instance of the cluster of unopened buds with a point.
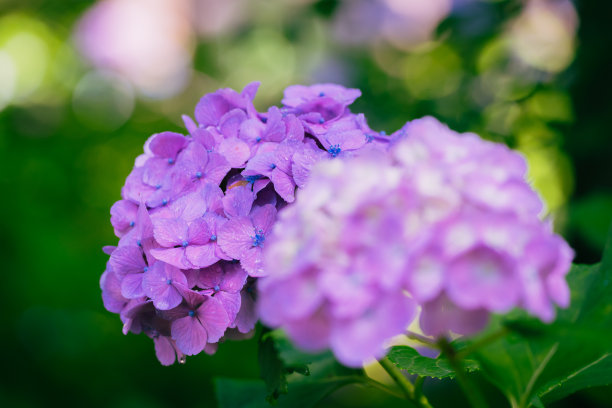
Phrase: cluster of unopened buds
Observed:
(372, 229)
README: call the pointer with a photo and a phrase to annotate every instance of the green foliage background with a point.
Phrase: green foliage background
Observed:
(60, 173)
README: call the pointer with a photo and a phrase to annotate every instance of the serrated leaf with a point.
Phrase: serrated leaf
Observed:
(409, 359)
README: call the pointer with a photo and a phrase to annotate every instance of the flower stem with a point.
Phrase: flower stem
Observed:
(472, 393)
(404, 384)
(420, 338)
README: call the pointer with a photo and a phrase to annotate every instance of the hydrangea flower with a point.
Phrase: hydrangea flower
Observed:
(197, 208)
(443, 220)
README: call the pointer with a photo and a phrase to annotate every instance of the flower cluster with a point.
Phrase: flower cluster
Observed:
(196, 211)
(442, 220)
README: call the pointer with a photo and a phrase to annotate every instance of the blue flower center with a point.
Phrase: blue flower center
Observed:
(217, 288)
(321, 94)
(334, 150)
(184, 244)
(258, 139)
(259, 238)
(321, 120)
(272, 166)
(369, 137)
(157, 186)
(145, 269)
(191, 313)
(139, 243)
(164, 201)
(132, 223)
(170, 161)
(252, 179)
(213, 237)
(198, 174)
(169, 282)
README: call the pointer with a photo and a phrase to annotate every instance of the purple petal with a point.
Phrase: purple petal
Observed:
(263, 217)
(160, 282)
(261, 163)
(247, 315)
(230, 302)
(112, 298)
(238, 201)
(216, 169)
(235, 236)
(234, 277)
(284, 185)
(190, 125)
(205, 138)
(189, 335)
(231, 121)
(250, 90)
(214, 318)
(167, 144)
(235, 151)
(173, 256)
(252, 262)
(170, 232)
(356, 340)
(131, 286)
(164, 350)
(201, 255)
(123, 216)
(210, 109)
(311, 333)
(127, 259)
(198, 233)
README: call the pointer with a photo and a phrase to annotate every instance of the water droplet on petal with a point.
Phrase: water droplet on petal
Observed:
(182, 359)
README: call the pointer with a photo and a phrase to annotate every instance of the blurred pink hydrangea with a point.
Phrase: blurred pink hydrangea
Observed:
(443, 220)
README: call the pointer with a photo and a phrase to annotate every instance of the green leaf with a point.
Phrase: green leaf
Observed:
(278, 359)
(271, 367)
(409, 359)
(539, 363)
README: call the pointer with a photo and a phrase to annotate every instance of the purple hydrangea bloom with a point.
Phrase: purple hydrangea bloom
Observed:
(196, 210)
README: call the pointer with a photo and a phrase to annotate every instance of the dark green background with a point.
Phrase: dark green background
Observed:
(59, 177)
